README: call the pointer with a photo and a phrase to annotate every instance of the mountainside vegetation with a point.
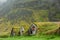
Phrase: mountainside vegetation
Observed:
(16, 13)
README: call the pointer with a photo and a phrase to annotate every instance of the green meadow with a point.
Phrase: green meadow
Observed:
(41, 37)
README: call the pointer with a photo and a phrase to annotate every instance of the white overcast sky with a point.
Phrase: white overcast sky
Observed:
(2, 1)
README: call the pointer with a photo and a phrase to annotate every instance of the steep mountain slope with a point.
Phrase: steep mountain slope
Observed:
(30, 11)
(24, 11)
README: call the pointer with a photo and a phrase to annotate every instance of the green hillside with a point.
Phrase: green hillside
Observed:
(16, 13)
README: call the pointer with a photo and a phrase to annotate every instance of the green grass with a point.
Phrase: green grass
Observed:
(43, 37)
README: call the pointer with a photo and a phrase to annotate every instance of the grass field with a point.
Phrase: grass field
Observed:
(43, 37)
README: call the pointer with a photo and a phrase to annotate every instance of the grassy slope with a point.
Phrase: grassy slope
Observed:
(47, 26)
